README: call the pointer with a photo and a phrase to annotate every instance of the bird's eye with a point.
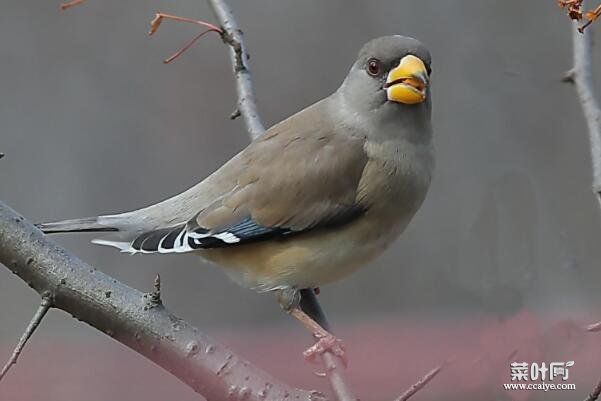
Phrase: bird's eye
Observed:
(374, 67)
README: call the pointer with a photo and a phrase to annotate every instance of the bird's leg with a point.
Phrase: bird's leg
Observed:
(289, 300)
(326, 341)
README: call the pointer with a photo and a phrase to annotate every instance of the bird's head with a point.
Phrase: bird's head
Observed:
(392, 73)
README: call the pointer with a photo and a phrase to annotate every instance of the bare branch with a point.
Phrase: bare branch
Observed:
(35, 322)
(594, 395)
(421, 383)
(232, 35)
(159, 17)
(121, 312)
(582, 77)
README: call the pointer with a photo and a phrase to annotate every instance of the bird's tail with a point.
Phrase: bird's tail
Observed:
(88, 224)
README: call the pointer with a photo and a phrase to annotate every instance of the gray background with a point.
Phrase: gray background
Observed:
(93, 122)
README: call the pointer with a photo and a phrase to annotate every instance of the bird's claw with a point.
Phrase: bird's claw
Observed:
(326, 343)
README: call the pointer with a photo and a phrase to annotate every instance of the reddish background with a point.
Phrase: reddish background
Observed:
(385, 359)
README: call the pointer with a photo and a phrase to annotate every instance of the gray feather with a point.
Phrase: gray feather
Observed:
(88, 224)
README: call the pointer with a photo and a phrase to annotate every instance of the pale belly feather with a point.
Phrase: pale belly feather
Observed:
(307, 260)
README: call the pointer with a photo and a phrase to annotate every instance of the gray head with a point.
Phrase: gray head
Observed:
(390, 80)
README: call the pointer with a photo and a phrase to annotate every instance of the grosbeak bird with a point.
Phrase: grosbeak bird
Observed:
(314, 197)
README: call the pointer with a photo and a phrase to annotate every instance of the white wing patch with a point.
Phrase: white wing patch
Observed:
(184, 242)
(121, 245)
(227, 237)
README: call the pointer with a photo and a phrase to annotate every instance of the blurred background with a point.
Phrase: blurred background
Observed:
(500, 264)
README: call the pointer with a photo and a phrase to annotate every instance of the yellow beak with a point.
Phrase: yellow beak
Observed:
(407, 83)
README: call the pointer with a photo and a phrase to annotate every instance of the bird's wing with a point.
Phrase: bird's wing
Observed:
(300, 175)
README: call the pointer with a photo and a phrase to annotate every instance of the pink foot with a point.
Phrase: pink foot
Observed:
(326, 343)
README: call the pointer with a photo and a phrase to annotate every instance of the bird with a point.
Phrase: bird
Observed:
(310, 200)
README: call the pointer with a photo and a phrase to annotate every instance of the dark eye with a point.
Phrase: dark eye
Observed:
(374, 67)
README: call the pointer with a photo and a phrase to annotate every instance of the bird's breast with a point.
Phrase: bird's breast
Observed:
(396, 178)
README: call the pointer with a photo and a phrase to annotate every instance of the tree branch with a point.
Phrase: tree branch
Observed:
(134, 319)
(35, 322)
(581, 76)
(232, 35)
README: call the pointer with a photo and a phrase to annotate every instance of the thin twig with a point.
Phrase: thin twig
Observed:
(156, 293)
(69, 4)
(421, 383)
(35, 322)
(159, 17)
(158, 20)
(185, 47)
(153, 299)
